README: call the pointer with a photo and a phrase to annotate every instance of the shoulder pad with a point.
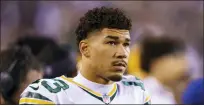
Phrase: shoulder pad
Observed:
(43, 91)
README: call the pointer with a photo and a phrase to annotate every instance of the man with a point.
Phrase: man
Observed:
(52, 55)
(18, 69)
(163, 58)
(103, 38)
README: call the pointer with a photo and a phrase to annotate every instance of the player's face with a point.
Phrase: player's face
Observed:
(109, 52)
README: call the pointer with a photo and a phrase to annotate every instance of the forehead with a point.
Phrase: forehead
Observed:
(116, 32)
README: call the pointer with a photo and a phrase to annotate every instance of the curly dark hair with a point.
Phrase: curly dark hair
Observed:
(99, 18)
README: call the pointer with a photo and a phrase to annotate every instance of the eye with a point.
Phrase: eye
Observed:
(126, 44)
(112, 43)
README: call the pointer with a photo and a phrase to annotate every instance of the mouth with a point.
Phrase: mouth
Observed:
(119, 65)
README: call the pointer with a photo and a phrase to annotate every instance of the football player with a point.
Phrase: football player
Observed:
(164, 60)
(103, 38)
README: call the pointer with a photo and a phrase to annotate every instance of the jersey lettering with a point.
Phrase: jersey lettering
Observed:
(59, 85)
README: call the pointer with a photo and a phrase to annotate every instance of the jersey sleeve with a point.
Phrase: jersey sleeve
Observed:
(36, 93)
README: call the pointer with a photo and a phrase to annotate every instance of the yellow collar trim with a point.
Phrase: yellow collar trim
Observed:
(91, 91)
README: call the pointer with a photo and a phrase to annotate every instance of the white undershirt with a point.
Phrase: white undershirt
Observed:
(100, 88)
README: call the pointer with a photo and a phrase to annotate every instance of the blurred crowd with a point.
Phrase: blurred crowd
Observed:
(166, 45)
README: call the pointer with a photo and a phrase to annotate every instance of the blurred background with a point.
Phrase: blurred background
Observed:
(54, 22)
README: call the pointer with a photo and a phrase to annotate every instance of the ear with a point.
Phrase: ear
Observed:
(84, 48)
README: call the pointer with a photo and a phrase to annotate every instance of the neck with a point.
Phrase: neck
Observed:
(89, 72)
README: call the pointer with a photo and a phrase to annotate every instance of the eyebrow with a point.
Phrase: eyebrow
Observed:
(112, 37)
(116, 38)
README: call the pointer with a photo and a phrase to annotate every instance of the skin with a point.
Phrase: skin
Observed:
(2, 100)
(101, 52)
(30, 77)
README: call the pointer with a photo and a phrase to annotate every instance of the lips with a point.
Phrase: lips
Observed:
(121, 63)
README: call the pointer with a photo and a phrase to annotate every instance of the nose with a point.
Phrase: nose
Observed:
(121, 52)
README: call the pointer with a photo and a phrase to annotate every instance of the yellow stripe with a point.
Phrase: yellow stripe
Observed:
(113, 90)
(95, 93)
(34, 101)
(147, 99)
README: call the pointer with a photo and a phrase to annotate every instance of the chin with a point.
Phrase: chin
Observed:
(115, 78)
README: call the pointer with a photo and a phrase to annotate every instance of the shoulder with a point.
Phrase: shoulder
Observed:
(43, 91)
(132, 81)
(53, 86)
